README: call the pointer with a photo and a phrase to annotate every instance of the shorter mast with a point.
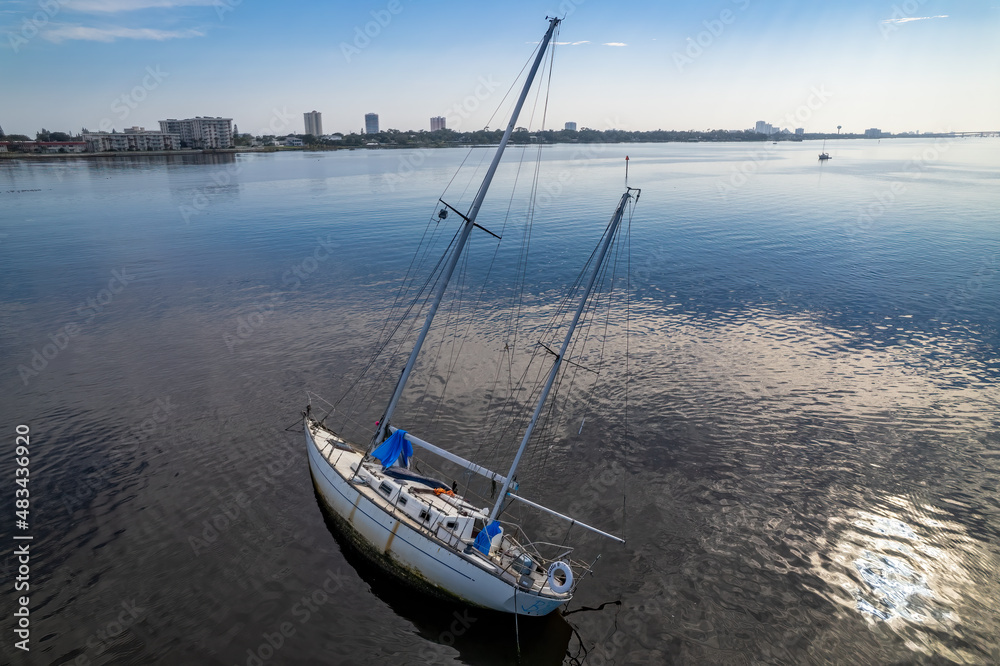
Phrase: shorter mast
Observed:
(609, 235)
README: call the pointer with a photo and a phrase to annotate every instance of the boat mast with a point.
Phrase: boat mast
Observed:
(608, 237)
(470, 221)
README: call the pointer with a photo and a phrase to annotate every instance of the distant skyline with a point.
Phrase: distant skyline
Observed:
(901, 66)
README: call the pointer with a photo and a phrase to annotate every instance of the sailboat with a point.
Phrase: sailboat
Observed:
(418, 528)
(824, 155)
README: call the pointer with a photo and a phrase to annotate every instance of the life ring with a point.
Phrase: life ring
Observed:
(566, 571)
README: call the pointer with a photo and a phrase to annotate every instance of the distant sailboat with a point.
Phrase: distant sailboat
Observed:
(824, 155)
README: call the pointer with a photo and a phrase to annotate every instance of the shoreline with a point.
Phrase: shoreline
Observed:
(134, 153)
(421, 146)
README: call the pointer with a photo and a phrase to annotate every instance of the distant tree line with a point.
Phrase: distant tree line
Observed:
(44, 135)
(446, 137)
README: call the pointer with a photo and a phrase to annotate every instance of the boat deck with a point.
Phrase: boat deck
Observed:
(441, 507)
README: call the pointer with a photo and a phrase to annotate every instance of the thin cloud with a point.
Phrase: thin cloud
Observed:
(614, 44)
(913, 18)
(84, 33)
(115, 6)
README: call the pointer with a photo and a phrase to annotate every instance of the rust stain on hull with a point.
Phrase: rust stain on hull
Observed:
(392, 535)
(385, 560)
(350, 518)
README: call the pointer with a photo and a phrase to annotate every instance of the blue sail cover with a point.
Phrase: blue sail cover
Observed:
(483, 539)
(397, 445)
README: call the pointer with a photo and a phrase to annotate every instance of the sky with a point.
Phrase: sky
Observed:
(899, 65)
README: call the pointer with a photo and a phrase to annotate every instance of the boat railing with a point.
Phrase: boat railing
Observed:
(520, 541)
(361, 427)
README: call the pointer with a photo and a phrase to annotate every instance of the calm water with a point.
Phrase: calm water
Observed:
(813, 459)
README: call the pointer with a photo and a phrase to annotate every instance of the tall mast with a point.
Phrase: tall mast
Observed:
(608, 237)
(463, 237)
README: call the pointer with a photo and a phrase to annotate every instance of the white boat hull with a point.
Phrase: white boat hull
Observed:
(410, 554)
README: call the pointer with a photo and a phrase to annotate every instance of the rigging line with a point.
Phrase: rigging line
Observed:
(455, 175)
(472, 176)
(526, 242)
(378, 352)
(607, 277)
(538, 92)
(569, 378)
(415, 262)
(535, 387)
(483, 185)
(521, 272)
(370, 393)
(533, 198)
(522, 417)
(546, 431)
(563, 308)
(454, 312)
(569, 297)
(514, 82)
(592, 306)
(489, 270)
(507, 352)
(531, 205)
(382, 343)
(613, 271)
(513, 324)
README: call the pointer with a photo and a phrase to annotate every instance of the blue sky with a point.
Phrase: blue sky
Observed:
(897, 65)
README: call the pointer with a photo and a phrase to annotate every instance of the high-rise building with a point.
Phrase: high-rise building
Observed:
(437, 123)
(201, 131)
(571, 126)
(873, 133)
(800, 131)
(765, 128)
(314, 123)
(371, 123)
